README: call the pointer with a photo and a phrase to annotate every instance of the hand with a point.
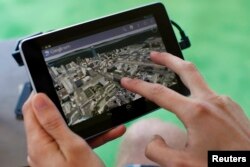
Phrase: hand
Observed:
(51, 143)
(213, 122)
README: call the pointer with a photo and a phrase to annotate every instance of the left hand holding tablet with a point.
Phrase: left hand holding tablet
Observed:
(51, 143)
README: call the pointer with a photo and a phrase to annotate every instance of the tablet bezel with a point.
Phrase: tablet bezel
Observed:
(42, 81)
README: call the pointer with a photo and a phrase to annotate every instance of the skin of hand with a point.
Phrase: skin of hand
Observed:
(213, 122)
(51, 143)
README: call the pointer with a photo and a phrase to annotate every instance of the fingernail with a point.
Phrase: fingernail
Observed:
(126, 79)
(40, 103)
(153, 53)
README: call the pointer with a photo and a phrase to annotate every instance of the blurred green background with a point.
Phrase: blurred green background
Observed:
(219, 32)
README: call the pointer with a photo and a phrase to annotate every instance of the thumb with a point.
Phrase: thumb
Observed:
(158, 151)
(49, 118)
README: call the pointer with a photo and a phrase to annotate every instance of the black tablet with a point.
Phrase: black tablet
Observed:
(79, 67)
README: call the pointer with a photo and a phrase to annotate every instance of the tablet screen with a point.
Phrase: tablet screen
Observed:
(86, 71)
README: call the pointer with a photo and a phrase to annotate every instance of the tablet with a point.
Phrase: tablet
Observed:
(79, 67)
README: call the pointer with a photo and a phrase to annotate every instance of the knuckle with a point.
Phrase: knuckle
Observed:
(221, 101)
(157, 89)
(199, 109)
(53, 123)
(188, 66)
(224, 98)
(78, 146)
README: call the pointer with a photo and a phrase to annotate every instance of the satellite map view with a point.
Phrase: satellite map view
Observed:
(87, 80)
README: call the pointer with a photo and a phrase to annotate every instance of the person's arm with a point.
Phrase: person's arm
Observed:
(213, 122)
(51, 143)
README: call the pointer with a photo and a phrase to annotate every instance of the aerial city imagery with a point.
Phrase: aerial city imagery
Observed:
(87, 80)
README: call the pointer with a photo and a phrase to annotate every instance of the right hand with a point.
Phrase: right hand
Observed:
(213, 122)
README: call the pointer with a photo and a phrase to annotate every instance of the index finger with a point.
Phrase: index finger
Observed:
(161, 95)
(186, 71)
